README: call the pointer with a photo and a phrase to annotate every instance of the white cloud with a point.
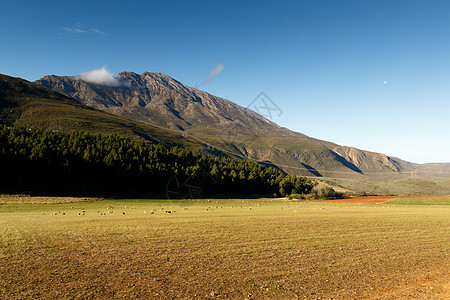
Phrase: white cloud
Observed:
(101, 76)
(214, 73)
(385, 82)
(80, 28)
(74, 29)
(95, 30)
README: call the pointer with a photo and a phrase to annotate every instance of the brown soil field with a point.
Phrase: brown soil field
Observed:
(37, 199)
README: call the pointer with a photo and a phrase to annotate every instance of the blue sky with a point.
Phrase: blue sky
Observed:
(370, 74)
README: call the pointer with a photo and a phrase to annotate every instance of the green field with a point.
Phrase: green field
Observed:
(405, 187)
(421, 201)
(223, 249)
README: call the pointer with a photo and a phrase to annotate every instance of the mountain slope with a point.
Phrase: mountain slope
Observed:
(155, 98)
(158, 99)
(201, 121)
(27, 104)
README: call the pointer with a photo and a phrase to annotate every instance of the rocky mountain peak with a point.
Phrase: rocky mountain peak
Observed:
(158, 99)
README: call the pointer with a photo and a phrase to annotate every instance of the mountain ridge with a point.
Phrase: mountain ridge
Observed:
(207, 119)
(158, 99)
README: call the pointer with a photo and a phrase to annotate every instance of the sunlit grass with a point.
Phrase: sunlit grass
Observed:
(221, 248)
(421, 201)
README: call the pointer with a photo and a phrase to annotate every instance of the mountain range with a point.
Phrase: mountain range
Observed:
(159, 109)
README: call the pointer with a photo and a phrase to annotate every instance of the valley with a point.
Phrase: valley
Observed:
(225, 150)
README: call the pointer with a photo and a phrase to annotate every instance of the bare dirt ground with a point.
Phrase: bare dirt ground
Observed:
(37, 199)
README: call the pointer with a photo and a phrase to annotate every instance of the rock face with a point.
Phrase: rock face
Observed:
(158, 99)
(368, 161)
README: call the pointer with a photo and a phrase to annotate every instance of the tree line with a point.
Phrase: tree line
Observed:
(80, 163)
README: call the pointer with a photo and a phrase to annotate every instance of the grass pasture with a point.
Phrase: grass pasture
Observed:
(420, 201)
(236, 248)
(404, 187)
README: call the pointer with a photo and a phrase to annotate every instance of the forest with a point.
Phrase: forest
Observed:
(79, 163)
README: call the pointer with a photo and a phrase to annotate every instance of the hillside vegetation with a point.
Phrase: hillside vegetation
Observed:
(30, 105)
(82, 163)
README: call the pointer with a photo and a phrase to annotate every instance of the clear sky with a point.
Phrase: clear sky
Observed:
(369, 74)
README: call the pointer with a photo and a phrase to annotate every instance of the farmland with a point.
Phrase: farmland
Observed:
(223, 248)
